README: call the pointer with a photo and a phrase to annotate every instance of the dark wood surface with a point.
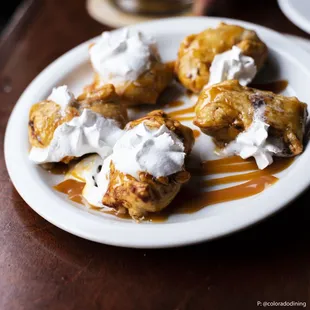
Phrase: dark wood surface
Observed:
(43, 267)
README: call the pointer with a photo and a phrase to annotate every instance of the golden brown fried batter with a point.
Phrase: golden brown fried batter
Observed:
(197, 52)
(147, 88)
(226, 109)
(46, 116)
(148, 194)
(106, 102)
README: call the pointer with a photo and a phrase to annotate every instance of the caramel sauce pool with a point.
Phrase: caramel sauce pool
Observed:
(72, 188)
(189, 200)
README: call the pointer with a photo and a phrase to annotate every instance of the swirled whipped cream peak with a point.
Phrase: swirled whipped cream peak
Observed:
(122, 56)
(62, 96)
(88, 133)
(232, 65)
(158, 152)
(254, 142)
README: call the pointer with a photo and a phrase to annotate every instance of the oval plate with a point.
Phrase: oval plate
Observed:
(286, 61)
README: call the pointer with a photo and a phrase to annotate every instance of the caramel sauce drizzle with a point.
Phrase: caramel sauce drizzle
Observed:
(174, 104)
(278, 166)
(190, 200)
(197, 133)
(182, 111)
(184, 118)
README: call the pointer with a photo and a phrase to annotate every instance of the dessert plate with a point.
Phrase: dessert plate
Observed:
(298, 12)
(302, 42)
(286, 61)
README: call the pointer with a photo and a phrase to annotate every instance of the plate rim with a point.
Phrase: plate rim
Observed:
(179, 239)
(293, 15)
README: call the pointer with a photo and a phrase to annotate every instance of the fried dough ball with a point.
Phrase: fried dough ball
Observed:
(106, 102)
(226, 109)
(47, 115)
(197, 52)
(148, 193)
(44, 118)
(147, 88)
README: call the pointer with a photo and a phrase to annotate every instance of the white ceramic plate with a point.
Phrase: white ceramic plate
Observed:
(302, 42)
(298, 12)
(286, 61)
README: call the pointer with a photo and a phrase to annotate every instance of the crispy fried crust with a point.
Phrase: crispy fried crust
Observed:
(106, 102)
(197, 52)
(148, 194)
(146, 89)
(46, 116)
(226, 109)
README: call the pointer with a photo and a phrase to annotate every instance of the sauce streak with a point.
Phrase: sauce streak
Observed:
(184, 118)
(173, 104)
(74, 189)
(275, 86)
(182, 111)
(190, 200)
(197, 133)
(278, 166)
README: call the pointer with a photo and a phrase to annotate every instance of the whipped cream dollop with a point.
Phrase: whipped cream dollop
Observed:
(232, 65)
(122, 56)
(88, 133)
(254, 142)
(62, 96)
(158, 152)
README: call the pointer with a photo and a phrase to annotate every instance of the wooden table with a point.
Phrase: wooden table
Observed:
(43, 267)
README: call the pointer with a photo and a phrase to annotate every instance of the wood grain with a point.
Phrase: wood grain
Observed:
(43, 267)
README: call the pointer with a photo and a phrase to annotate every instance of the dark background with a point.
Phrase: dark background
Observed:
(6, 10)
